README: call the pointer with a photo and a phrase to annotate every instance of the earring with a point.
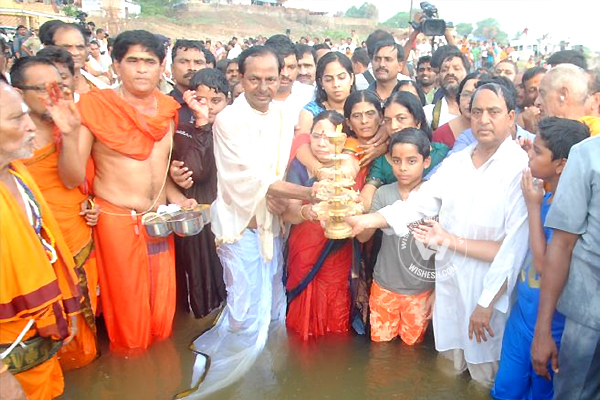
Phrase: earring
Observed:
(562, 98)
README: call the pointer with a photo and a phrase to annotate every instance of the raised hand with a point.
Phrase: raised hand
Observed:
(532, 188)
(375, 147)
(61, 107)
(199, 107)
(531, 118)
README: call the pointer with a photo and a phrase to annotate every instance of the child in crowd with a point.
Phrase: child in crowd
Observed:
(400, 299)
(547, 158)
(200, 282)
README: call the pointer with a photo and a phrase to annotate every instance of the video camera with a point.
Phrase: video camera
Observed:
(431, 25)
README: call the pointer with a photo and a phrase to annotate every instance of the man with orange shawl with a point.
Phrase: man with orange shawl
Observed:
(30, 76)
(39, 297)
(128, 132)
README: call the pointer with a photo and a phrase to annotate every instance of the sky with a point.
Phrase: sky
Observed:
(571, 20)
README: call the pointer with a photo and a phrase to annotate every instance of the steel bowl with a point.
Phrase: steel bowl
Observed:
(186, 223)
(205, 210)
(156, 226)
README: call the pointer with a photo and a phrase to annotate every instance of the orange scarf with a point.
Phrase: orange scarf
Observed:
(121, 127)
(31, 287)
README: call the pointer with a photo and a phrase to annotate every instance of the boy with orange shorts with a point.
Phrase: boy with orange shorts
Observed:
(404, 276)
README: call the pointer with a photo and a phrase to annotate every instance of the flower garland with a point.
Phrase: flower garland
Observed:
(36, 217)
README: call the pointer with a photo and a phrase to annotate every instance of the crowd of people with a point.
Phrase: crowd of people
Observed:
(479, 185)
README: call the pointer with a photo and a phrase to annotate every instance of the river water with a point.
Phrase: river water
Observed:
(335, 367)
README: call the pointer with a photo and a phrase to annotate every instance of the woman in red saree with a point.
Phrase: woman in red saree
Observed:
(318, 268)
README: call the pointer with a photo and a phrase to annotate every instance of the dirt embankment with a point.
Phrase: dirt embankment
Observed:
(224, 22)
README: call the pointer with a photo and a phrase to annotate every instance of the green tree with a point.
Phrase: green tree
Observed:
(70, 10)
(464, 28)
(399, 20)
(367, 10)
(489, 28)
(352, 12)
(157, 7)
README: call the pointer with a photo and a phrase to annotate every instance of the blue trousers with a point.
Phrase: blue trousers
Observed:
(516, 379)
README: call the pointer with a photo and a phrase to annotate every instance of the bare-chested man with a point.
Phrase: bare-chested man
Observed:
(128, 132)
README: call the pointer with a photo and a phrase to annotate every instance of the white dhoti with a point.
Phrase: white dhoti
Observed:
(255, 297)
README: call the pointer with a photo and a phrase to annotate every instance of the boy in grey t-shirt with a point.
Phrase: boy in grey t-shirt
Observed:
(403, 281)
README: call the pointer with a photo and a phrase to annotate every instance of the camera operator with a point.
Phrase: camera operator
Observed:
(416, 26)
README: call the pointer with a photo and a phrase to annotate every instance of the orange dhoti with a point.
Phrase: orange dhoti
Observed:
(137, 279)
(66, 205)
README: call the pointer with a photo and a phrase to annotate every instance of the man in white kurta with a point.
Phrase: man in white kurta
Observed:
(252, 142)
(478, 197)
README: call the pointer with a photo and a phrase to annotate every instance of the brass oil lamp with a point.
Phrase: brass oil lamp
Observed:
(338, 200)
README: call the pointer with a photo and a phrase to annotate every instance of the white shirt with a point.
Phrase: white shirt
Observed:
(362, 83)
(445, 115)
(480, 204)
(301, 95)
(251, 152)
(234, 52)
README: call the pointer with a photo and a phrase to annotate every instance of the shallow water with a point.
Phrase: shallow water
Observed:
(335, 367)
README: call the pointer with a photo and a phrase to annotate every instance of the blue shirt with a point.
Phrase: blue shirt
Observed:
(528, 291)
(314, 108)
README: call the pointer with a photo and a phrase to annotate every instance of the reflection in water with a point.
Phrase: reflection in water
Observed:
(334, 367)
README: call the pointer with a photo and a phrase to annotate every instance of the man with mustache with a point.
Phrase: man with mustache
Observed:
(427, 78)
(188, 58)
(307, 64)
(71, 38)
(388, 61)
(294, 95)
(252, 142)
(453, 70)
(200, 285)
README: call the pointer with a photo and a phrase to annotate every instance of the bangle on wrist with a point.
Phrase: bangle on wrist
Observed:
(302, 212)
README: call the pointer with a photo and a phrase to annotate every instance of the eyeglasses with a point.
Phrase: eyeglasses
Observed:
(40, 88)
